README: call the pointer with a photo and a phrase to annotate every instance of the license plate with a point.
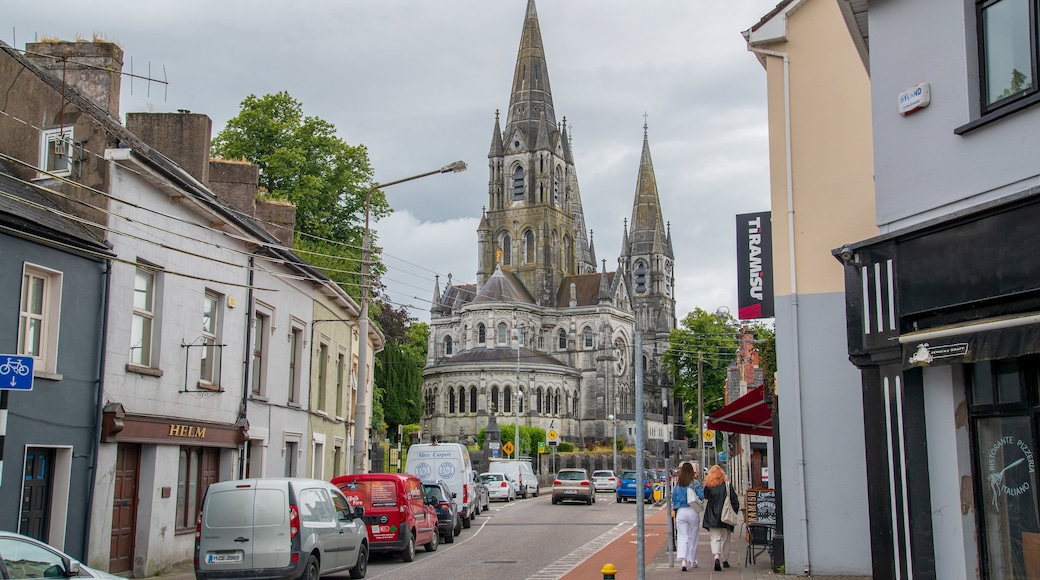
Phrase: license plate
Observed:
(571, 491)
(224, 558)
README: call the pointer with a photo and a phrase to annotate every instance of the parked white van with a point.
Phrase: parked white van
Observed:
(519, 471)
(448, 462)
(278, 528)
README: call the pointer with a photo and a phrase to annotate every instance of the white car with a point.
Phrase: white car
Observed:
(499, 486)
(25, 557)
(604, 480)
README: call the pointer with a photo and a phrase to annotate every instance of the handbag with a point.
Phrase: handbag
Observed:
(729, 515)
(694, 501)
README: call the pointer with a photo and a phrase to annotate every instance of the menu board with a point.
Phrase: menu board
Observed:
(760, 506)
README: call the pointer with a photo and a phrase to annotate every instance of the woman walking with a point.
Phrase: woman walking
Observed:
(687, 517)
(716, 490)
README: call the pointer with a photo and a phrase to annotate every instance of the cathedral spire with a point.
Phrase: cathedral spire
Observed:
(647, 234)
(496, 140)
(531, 96)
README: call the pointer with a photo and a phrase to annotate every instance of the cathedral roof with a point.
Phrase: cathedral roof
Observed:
(458, 296)
(586, 288)
(647, 235)
(504, 286)
(531, 96)
(481, 355)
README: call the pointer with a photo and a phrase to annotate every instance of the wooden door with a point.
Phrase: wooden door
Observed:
(124, 508)
(36, 492)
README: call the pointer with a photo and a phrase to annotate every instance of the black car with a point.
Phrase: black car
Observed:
(449, 524)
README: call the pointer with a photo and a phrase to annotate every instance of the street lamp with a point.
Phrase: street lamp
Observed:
(519, 394)
(613, 442)
(361, 409)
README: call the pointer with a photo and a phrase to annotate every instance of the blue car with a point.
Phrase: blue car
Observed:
(626, 489)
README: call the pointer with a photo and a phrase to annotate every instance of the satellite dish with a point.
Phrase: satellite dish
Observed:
(722, 311)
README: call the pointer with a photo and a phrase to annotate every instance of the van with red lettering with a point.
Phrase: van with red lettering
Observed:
(397, 514)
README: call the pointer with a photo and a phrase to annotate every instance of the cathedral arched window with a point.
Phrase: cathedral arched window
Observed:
(494, 400)
(502, 331)
(472, 399)
(529, 247)
(548, 402)
(506, 245)
(462, 400)
(519, 400)
(451, 400)
(554, 256)
(640, 277)
(557, 186)
(556, 402)
(481, 333)
(562, 339)
(518, 183)
(538, 401)
(448, 345)
(588, 337)
(507, 397)
(566, 261)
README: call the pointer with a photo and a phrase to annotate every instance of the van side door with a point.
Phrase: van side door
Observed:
(319, 527)
(351, 529)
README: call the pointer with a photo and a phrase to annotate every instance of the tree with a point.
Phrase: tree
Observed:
(303, 161)
(765, 343)
(711, 339)
(398, 374)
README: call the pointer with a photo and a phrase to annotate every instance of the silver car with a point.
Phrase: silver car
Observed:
(25, 557)
(604, 480)
(499, 486)
(279, 528)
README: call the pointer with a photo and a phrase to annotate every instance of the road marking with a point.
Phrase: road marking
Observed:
(561, 567)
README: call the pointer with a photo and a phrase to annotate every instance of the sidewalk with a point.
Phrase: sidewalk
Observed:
(622, 554)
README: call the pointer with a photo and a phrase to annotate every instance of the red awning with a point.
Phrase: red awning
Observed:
(748, 414)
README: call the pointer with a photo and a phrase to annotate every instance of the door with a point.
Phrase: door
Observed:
(124, 508)
(36, 492)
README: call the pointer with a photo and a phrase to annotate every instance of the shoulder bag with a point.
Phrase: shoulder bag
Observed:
(694, 501)
(729, 515)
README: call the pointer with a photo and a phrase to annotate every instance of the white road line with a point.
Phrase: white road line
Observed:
(561, 567)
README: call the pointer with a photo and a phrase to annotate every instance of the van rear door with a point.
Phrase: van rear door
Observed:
(226, 541)
(272, 540)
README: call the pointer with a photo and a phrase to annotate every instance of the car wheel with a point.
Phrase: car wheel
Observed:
(593, 498)
(589, 500)
(361, 567)
(466, 522)
(535, 492)
(408, 553)
(449, 538)
(458, 526)
(435, 541)
(555, 501)
(311, 570)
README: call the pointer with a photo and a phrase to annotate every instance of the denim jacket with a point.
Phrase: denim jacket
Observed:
(679, 495)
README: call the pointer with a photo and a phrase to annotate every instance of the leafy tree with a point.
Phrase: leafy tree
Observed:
(303, 161)
(398, 375)
(765, 343)
(712, 340)
(529, 437)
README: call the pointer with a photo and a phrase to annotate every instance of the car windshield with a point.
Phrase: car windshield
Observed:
(370, 494)
(571, 476)
(628, 474)
(603, 474)
(435, 492)
(492, 477)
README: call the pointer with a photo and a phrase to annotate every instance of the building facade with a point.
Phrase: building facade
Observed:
(942, 306)
(546, 335)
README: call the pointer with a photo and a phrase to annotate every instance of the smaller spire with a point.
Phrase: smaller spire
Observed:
(544, 134)
(566, 141)
(484, 225)
(436, 294)
(497, 149)
(592, 249)
(604, 290)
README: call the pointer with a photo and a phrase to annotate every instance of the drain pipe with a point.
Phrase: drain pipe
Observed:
(99, 415)
(796, 375)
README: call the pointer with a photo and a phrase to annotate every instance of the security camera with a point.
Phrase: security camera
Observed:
(846, 254)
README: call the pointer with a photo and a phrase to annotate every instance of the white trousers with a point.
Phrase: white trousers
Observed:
(687, 534)
(720, 542)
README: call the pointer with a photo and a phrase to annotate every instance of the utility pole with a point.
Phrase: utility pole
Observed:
(700, 406)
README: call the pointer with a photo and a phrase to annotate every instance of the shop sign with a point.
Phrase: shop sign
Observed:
(187, 431)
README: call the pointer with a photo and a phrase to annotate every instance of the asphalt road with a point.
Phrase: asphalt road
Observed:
(529, 538)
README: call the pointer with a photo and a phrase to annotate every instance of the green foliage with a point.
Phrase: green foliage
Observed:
(408, 430)
(398, 379)
(619, 444)
(566, 447)
(529, 437)
(765, 343)
(301, 160)
(707, 337)
(1018, 84)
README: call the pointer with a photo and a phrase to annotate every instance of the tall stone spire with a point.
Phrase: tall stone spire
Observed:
(647, 235)
(531, 96)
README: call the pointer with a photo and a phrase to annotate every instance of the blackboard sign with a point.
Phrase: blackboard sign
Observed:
(760, 506)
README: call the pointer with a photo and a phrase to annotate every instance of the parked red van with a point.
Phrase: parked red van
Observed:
(396, 513)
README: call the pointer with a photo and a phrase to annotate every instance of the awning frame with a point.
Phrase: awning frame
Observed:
(748, 414)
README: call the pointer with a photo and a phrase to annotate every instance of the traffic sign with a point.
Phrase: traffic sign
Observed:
(709, 435)
(552, 437)
(508, 448)
(16, 372)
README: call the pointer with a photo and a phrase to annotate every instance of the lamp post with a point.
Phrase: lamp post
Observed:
(519, 394)
(613, 442)
(361, 409)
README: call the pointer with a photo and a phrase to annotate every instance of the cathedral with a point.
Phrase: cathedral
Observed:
(546, 334)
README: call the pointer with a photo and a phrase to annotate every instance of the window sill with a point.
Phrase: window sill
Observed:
(998, 114)
(322, 413)
(41, 374)
(207, 386)
(294, 404)
(258, 398)
(142, 370)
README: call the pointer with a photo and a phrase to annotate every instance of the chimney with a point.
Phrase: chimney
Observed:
(237, 183)
(184, 137)
(92, 68)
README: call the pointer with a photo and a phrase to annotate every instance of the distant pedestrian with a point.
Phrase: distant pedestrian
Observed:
(716, 488)
(687, 517)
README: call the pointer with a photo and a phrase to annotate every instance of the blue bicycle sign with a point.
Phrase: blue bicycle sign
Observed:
(16, 372)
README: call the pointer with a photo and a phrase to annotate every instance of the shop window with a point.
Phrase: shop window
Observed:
(197, 468)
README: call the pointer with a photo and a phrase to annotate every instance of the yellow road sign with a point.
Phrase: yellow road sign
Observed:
(709, 435)
(508, 448)
(552, 435)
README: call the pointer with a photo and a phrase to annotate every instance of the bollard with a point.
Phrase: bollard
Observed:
(608, 572)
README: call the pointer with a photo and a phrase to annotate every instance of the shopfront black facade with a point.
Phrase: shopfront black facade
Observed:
(963, 292)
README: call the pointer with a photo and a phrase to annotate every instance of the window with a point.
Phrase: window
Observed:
(295, 358)
(502, 331)
(518, 184)
(554, 255)
(640, 277)
(291, 450)
(197, 469)
(1004, 412)
(529, 247)
(144, 317)
(318, 461)
(562, 339)
(447, 345)
(323, 374)
(39, 315)
(548, 401)
(451, 400)
(472, 399)
(211, 323)
(538, 400)
(588, 338)
(557, 183)
(25, 560)
(481, 334)
(494, 400)
(506, 247)
(56, 150)
(1007, 50)
(341, 364)
(462, 400)
(258, 372)
(507, 396)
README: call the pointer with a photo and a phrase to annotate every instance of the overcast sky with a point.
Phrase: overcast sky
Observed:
(418, 83)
